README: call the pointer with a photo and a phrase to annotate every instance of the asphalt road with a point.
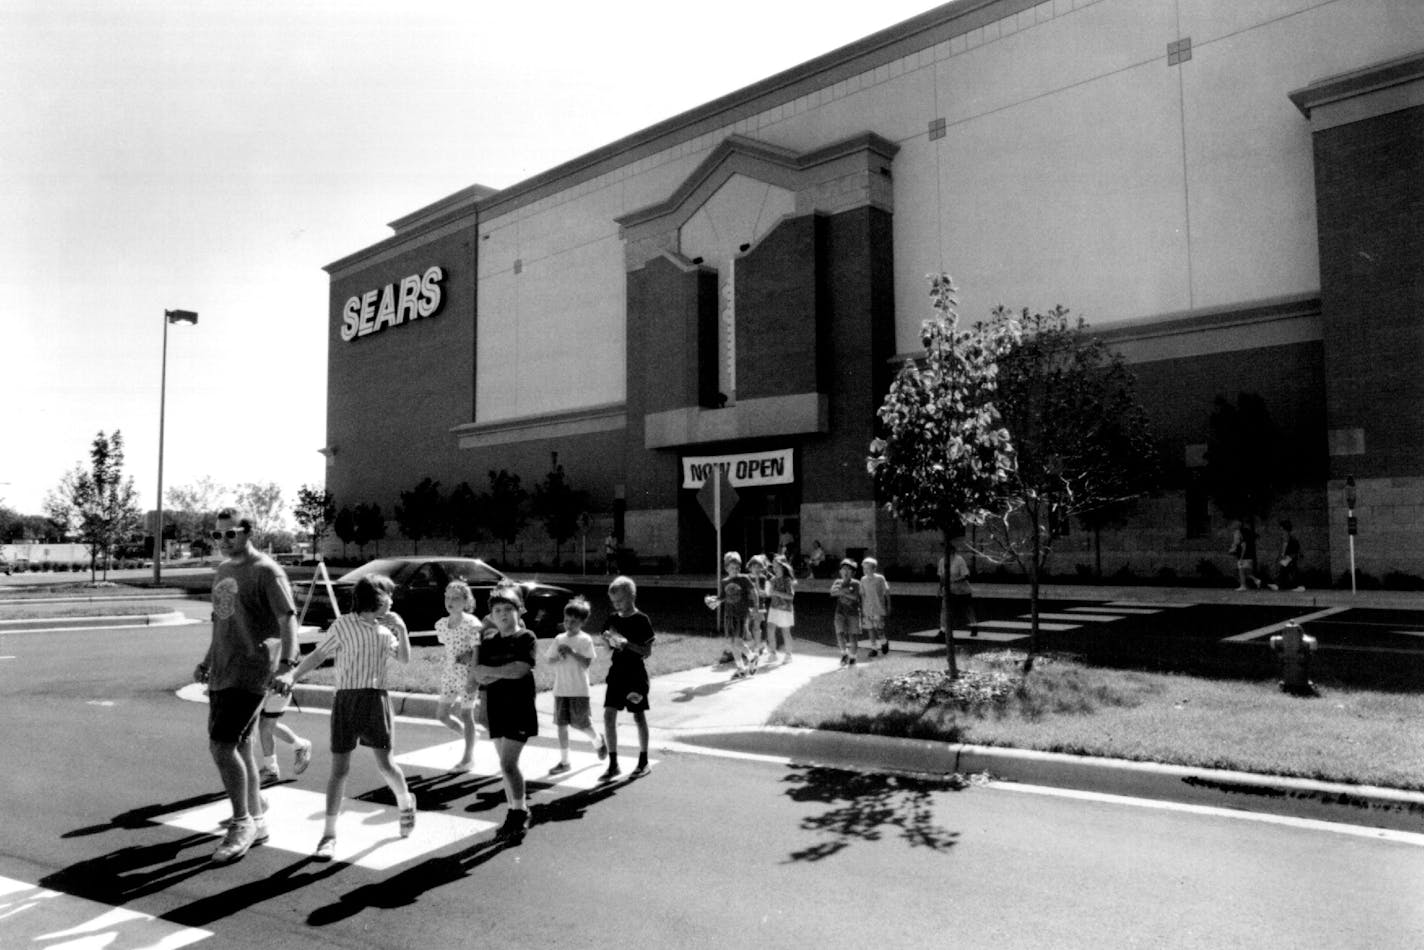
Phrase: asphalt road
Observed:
(108, 798)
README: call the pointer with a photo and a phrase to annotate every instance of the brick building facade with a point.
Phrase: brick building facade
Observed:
(1229, 192)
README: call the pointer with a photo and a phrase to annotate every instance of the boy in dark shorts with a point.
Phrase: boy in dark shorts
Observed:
(504, 672)
(629, 634)
(362, 642)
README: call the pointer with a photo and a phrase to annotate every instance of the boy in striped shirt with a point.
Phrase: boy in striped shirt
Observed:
(362, 641)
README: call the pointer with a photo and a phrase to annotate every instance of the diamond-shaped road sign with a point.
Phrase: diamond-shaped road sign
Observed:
(707, 498)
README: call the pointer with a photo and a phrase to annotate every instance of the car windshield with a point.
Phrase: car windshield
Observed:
(390, 567)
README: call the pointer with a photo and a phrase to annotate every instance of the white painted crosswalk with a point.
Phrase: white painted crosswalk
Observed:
(367, 834)
(35, 916)
(1015, 630)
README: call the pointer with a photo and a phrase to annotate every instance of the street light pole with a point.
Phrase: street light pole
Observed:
(169, 316)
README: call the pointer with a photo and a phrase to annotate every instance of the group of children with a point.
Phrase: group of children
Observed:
(488, 676)
(750, 629)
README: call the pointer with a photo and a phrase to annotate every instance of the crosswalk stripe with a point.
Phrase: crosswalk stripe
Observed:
(1121, 611)
(30, 914)
(1085, 618)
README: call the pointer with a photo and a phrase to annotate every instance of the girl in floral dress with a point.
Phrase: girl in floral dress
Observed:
(460, 634)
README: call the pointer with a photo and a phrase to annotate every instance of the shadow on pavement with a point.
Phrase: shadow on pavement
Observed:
(867, 806)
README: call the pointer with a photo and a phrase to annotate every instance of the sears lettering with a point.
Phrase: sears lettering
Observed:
(415, 296)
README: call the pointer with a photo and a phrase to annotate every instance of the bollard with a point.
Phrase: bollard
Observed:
(1294, 648)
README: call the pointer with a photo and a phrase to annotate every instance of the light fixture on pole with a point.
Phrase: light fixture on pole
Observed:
(169, 316)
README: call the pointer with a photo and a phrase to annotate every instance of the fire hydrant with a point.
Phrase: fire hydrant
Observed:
(1294, 648)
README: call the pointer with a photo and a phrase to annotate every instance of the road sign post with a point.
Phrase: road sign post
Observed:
(718, 498)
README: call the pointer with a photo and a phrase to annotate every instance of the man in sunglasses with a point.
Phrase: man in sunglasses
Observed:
(254, 629)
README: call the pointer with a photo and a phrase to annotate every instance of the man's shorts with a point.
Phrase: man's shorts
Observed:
(626, 691)
(572, 711)
(361, 715)
(231, 715)
(847, 625)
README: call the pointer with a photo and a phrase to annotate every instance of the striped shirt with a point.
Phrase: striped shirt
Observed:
(362, 648)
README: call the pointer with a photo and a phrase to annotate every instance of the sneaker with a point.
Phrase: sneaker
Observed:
(236, 842)
(301, 756)
(845, 659)
(407, 819)
(852, 662)
(268, 774)
(516, 822)
(739, 674)
(642, 769)
(602, 750)
(325, 848)
(559, 769)
(611, 773)
(1297, 589)
(885, 648)
(786, 659)
(752, 664)
(260, 834)
(726, 657)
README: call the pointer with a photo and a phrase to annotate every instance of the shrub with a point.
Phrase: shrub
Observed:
(1209, 570)
(1398, 580)
(1167, 574)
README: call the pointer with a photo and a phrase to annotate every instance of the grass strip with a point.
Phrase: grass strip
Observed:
(1342, 735)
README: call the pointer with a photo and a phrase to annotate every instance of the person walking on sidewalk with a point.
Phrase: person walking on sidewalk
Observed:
(960, 602)
(737, 603)
(846, 590)
(781, 612)
(1288, 561)
(362, 642)
(505, 674)
(874, 605)
(571, 654)
(629, 634)
(758, 568)
(1243, 548)
(459, 632)
(253, 615)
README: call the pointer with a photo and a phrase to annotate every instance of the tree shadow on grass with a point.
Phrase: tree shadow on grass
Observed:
(868, 806)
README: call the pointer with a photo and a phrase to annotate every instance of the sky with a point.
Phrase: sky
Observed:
(213, 157)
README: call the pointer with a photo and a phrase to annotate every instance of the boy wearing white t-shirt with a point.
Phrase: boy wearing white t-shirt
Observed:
(572, 653)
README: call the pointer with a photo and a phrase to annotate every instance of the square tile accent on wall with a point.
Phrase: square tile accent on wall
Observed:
(936, 129)
(1179, 51)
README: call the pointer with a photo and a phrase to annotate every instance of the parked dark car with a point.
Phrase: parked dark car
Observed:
(420, 592)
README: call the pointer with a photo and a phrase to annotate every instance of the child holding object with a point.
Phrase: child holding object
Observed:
(459, 632)
(846, 590)
(571, 654)
(505, 674)
(362, 642)
(629, 634)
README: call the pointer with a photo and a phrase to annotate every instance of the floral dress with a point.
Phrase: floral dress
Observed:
(462, 639)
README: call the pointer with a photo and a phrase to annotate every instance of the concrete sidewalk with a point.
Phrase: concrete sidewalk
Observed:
(704, 710)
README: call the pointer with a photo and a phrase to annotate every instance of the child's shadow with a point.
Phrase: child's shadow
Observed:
(688, 694)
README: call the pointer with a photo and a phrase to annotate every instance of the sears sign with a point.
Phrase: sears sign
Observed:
(414, 297)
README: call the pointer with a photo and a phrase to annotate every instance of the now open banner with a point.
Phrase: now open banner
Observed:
(772, 467)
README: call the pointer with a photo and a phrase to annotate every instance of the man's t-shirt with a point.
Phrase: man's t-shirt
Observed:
(251, 602)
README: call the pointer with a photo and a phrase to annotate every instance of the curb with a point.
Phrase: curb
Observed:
(1388, 808)
(46, 624)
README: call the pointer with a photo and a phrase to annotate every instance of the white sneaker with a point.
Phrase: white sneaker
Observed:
(301, 756)
(238, 840)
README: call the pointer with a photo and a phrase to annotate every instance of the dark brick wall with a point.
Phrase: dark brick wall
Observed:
(669, 310)
(779, 313)
(1369, 182)
(393, 396)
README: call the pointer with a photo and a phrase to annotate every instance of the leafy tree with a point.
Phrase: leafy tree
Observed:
(464, 516)
(345, 527)
(262, 500)
(559, 505)
(315, 511)
(1243, 453)
(194, 506)
(11, 528)
(370, 526)
(943, 451)
(1082, 441)
(505, 510)
(420, 511)
(100, 505)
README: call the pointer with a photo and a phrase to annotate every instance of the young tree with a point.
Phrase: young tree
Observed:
(558, 505)
(944, 450)
(345, 528)
(420, 511)
(370, 526)
(263, 500)
(505, 510)
(315, 511)
(193, 507)
(100, 505)
(464, 516)
(1243, 458)
(1082, 441)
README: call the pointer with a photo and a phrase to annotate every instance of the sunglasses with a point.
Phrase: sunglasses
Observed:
(230, 533)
